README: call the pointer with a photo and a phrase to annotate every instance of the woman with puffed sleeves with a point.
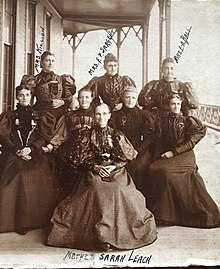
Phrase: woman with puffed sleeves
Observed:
(109, 88)
(27, 194)
(140, 127)
(70, 140)
(53, 93)
(105, 210)
(155, 93)
(178, 194)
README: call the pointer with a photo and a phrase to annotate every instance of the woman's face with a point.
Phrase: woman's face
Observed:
(85, 99)
(175, 105)
(129, 99)
(48, 63)
(111, 68)
(102, 115)
(24, 97)
(168, 71)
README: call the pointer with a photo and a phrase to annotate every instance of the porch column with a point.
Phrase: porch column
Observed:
(168, 26)
(145, 31)
(161, 31)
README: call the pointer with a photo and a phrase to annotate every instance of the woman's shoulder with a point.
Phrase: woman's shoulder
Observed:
(6, 115)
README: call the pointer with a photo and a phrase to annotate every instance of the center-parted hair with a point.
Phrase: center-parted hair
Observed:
(22, 87)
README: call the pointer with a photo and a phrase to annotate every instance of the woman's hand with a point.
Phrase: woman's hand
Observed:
(47, 149)
(102, 171)
(24, 154)
(25, 151)
(57, 103)
(110, 168)
(167, 155)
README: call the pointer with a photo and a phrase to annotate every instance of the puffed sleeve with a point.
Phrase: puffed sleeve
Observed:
(195, 130)
(127, 81)
(93, 86)
(69, 88)
(125, 147)
(146, 97)
(45, 129)
(61, 133)
(5, 132)
(190, 98)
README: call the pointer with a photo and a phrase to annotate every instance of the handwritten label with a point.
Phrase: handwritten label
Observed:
(103, 49)
(132, 257)
(79, 257)
(184, 40)
(39, 50)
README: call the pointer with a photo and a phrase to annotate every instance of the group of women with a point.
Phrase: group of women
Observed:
(102, 175)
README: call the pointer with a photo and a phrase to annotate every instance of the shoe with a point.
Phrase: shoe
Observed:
(21, 231)
(106, 246)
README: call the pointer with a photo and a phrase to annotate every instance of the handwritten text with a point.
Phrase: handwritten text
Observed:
(39, 50)
(132, 258)
(183, 41)
(103, 49)
(80, 257)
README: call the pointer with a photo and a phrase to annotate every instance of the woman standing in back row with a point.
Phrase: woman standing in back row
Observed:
(53, 93)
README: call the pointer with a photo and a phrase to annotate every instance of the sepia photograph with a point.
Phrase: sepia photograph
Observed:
(109, 133)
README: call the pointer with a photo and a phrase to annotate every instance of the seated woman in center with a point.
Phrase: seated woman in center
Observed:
(105, 210)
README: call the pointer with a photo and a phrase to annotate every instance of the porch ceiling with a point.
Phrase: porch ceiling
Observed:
(80, 16)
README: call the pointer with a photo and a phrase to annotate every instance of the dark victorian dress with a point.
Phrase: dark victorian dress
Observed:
(70, 141)
(104, 210)
(179, 195)
(26, 187)
(140, 128)
(155, 94)
(109, 88)
(50, 86)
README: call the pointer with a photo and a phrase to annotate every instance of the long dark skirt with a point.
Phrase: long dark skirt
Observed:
(138, 168)
(100, 211)
(178, 193)
(26, 194)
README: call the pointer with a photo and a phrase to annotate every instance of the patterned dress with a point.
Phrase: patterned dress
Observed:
(27, 195)
(50, 86)
(178, 194)
(155, 94)
(109, 88)
(70, 142)
(140, 128)
(104, 210)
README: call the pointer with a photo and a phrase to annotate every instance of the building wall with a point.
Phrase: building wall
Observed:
(1, 52)
(21, 38)
(20, 45)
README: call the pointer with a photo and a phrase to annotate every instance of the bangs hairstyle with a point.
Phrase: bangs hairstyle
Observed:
(22, 87)
(103, 105)
(172, 96)
(85, 89)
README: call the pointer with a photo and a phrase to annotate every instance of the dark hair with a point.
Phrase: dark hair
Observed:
(110, 58)
(44, 55)
(85, 89)
(22, 87)
(173, 95)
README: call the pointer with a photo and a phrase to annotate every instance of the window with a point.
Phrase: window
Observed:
(8, 57)
(48, 29)
(31, 11)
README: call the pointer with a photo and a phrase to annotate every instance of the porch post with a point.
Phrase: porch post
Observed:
(145, 30)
